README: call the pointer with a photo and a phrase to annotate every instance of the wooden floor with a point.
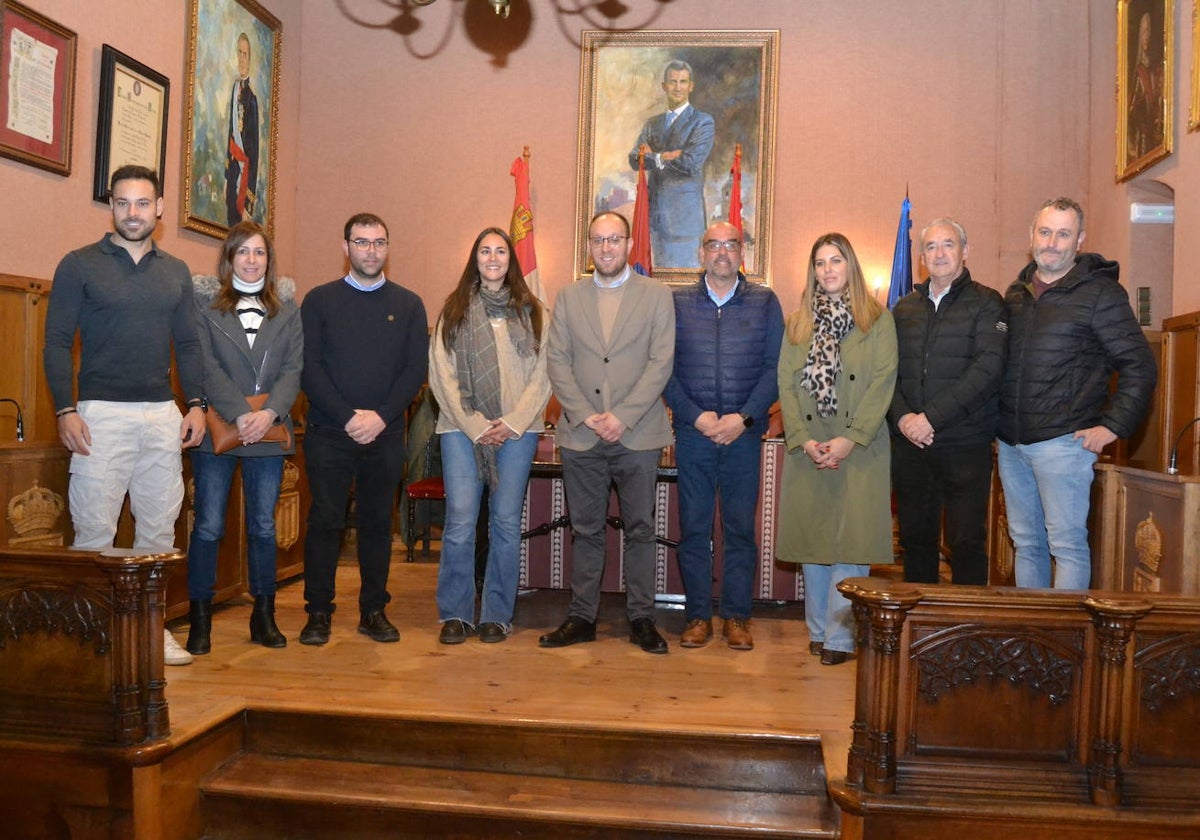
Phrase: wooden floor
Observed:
(776, 688)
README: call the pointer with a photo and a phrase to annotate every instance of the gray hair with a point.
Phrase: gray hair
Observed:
(678, 64)
(946, 220)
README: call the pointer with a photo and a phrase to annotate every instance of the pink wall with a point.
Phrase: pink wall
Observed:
(983, 109)
(46, 215)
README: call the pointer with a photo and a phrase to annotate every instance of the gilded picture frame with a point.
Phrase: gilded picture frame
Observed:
(734, 76)
(1194, 105)
(1145, 81)
(231, 115)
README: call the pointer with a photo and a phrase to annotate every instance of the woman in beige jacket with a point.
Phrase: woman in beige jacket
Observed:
(487, 369)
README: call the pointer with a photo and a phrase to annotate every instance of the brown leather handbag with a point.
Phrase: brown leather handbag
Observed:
(224, 435)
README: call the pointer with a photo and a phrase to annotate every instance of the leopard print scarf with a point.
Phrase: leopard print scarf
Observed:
(832, 321)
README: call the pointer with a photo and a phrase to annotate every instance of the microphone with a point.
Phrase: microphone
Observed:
(1172, 466)
(20, 420)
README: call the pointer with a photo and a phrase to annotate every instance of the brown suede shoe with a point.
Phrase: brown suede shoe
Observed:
(697, 633)
(737, 634)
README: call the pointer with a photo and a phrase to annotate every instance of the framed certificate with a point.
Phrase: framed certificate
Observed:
(37, 88)
(132, 123)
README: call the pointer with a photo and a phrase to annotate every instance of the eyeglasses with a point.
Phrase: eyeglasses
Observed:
(367, 244)
(714, 245)
(597, 241)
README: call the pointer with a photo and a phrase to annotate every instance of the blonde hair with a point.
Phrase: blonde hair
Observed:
(863, 305)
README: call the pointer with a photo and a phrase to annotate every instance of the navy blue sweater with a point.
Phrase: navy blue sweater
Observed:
(365, 350)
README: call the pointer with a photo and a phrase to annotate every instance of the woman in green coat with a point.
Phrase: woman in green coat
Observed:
(837, 369)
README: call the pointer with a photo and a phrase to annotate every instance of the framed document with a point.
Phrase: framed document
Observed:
(132, 123)
(37, 88)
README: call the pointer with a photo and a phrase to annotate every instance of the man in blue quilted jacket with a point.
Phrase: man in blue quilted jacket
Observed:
(727, 337)
(1070, 328)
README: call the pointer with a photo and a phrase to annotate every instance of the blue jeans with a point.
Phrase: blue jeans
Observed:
(213, 476)
(827, 612)
(464, 488)
(706, 469)
(1047, 492)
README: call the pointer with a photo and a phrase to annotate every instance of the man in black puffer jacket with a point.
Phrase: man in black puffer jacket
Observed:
(951, 336)
(1070, 326)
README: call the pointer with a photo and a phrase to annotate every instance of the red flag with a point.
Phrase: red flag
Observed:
(640, 257)
(520, 229)
(735, 190)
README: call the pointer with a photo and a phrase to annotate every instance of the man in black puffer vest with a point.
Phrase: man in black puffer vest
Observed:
(1070, 327)
(952, 340)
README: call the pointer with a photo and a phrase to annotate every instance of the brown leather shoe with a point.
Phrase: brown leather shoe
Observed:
(737, 634)
(697, 633)
(815, 648)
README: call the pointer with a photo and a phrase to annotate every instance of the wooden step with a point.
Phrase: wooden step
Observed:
(261, 796)
(352, 776)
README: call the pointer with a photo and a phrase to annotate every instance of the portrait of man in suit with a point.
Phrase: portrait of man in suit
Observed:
(675, 145)
(241, 166)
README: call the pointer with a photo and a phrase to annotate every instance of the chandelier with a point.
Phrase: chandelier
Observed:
(499, 6)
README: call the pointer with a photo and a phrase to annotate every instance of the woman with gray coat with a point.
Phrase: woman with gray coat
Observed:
(253, 344)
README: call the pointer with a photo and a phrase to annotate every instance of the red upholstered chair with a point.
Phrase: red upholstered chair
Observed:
(427, 489)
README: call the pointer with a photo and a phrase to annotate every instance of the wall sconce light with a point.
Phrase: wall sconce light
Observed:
(501, 7)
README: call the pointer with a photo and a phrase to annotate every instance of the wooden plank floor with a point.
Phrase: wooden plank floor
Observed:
(776, 688)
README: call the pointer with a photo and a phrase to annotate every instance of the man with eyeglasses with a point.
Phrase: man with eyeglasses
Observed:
(365, 356)
(131, 303)
(676, 145)
(727, 337)
(609, 355)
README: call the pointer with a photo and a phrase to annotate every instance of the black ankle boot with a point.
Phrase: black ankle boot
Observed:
(262, 623)
(199, 640)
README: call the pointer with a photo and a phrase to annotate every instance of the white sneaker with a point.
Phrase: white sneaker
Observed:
(173, 654)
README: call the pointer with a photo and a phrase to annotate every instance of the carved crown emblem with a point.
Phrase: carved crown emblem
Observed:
(1147, 542)
(35, 511)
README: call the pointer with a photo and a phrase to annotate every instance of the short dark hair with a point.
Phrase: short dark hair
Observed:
(364, 220)
(133, 172)
(1062, 203)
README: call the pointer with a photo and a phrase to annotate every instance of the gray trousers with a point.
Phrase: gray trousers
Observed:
(587, 477)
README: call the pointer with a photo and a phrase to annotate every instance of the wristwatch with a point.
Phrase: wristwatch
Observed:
(199, 403)
(747, 420)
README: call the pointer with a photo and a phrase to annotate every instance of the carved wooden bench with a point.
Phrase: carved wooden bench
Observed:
(978, 705)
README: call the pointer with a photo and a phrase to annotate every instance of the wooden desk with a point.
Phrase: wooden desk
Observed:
(1145, 531)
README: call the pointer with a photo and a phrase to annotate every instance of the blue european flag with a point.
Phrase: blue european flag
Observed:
(902, 277)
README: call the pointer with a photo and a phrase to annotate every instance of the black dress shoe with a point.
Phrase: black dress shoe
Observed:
(316, 629)
(378, 627)
(834, 657)
(492, 632)
(455, 632)
(643, 634)
(570, 632)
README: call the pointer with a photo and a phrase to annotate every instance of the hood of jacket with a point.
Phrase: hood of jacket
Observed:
(208, 286)
(1087, 266)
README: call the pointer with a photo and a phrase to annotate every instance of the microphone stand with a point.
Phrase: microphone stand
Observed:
(20, 420)
(1172, 466)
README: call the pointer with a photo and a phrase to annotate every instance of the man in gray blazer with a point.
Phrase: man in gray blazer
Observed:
(610, 353)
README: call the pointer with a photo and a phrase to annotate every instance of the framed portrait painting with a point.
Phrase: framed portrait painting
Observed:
(231, 115)
(693, 104)
(1145, 74)
(37, 88)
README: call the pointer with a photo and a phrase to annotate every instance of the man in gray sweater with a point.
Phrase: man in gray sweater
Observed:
(130, 303)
